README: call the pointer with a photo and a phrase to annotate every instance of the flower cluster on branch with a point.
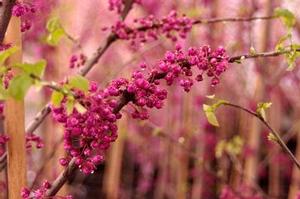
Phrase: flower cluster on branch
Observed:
(148, 28)
(21, 9)
(89, 133)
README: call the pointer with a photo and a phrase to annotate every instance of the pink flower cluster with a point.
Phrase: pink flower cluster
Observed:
(88, 134)
(149, 28)
(21, 9)
(31, 138)
(39, 193)
(4, 47)
(3, 140)
(118, 5)
(176, 66)
(77, 60)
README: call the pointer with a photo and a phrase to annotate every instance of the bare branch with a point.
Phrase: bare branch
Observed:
(277, 136)
(263, 54)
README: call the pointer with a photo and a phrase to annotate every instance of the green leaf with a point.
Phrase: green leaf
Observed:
(56, 98)
(53, 24)
(36, 69)
(19, 86)
(220, 147)
(262, 107)
(54, 37)
(287, 17)
(7, 53)
(79, 82)
(210, 115)
(81, 109)
(70, 105)
(235, 145)
(291, 59)
(56, 31)
(280, 44)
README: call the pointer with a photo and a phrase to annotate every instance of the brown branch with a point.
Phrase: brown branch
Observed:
(5, 15)
(277, 136)
(232, 19)
(263, 54)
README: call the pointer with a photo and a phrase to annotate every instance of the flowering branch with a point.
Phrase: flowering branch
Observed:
(127, 97)
(276, 135)
(5, 15)
(34, 124)
(45, 111)
(102, 49)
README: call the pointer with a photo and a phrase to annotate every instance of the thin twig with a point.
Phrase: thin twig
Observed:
(263, 54)
(232, 19)
(277, 136)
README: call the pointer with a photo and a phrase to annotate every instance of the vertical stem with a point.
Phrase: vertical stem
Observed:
(14, 125)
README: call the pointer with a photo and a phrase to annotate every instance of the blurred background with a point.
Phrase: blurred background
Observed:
(176, 153)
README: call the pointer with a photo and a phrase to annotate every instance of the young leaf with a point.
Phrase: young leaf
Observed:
(79, 82)
(56, 98)
(7, 53)
(19, 86)
(56, 31)
(287, 17)
(80, 108)
(221, 145)
(36, 69)
(235, 146)
(291, 59)
(53, 24)
(54, 37)
(70, 105)
(261, 107)
(280, 44)
(210, 115)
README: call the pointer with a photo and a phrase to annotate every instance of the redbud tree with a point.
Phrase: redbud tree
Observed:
(50, 49)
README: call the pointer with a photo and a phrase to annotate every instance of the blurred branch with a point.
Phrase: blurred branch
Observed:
(232, 19)
(127, 8)
(277, 136)
(263, 54)
(5, 15)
